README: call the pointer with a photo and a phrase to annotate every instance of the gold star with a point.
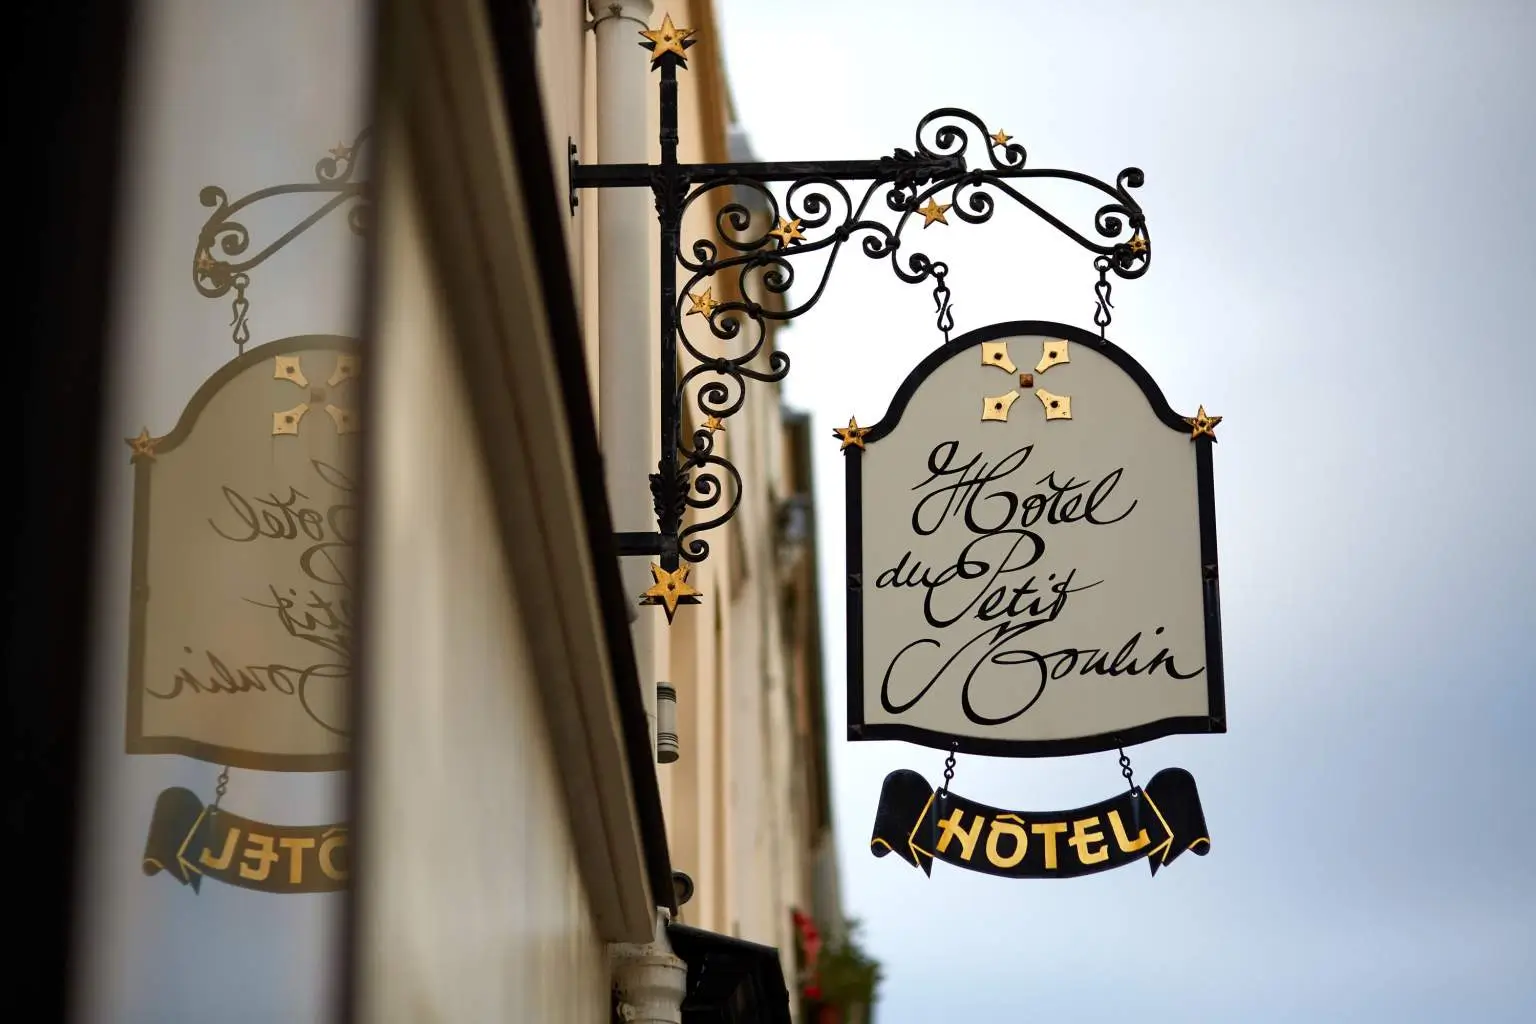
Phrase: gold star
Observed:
(669, 38)
(933, 212)
(713, 424)
(1138, 244)
(143, 446)
(206, 262)
(1202, 424)
(703, 304)
(852, 435)
(1000, 138)
(342, 151)
(670, 590)
(788, 231)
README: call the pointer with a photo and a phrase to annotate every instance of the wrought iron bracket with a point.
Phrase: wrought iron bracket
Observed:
(746, 260)
(222, 261)
(641, 543)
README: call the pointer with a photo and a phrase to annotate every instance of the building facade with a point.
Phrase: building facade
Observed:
(380, 402)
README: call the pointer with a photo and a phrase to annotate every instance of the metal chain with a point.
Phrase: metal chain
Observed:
(949, 769)
(1101, 315)
(946, 318)
(1130, 782)
(223, 786)
(240, 306)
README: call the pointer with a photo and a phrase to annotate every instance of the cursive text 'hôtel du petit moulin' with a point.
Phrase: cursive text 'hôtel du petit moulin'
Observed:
(993, 580)
(321, 540)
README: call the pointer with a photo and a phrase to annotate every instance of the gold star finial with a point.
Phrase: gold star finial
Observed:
(788, 231)
(1000, 138)
(670, 589)
(934, 212)
(205, 261)
(143, 446)
(1202, 424)
(341, 151)
(1138, 244)
(668, 39)
(713, 424)
(852, 435)
(703, 304)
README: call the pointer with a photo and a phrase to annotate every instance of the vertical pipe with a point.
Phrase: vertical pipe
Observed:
(627, 409)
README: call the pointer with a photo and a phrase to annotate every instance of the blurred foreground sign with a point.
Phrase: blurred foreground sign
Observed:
(244, 520)
(191, 842)
(1032, 553)
(1156, 824)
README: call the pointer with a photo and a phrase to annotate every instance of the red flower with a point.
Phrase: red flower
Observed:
(810, 938)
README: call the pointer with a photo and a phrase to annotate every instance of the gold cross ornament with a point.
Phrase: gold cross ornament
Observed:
(1053, 351)
(285, 422)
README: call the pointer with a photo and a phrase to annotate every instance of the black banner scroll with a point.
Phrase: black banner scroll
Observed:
(922, 826)
(191, 841)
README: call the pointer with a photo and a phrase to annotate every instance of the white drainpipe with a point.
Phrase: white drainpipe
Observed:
(628, 413)
(650, 979)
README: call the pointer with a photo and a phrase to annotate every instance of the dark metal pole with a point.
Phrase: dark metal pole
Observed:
(669, 187)
(632, 175)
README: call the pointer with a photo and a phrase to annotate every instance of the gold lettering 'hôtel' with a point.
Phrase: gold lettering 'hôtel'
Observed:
(1153, 823)
(1009, 839)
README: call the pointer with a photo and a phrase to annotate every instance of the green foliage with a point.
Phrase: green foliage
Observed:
(846, 975)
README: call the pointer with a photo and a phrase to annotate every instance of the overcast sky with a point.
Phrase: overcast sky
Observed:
(1341, 212)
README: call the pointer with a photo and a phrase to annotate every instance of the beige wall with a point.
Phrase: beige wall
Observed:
(734, 803)
(735, 820)
(462, 761)
(732, 817)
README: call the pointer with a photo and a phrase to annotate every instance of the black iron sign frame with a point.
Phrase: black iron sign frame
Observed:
(819, 213)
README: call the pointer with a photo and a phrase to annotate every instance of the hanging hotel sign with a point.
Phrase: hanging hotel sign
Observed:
(190, 842)
(244, 522)
(1155, 823)
(1032, 553)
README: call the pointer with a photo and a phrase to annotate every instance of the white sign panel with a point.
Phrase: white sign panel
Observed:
(1032, 553)
(244, 528)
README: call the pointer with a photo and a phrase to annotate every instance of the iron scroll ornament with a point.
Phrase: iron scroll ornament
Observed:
(222, 261)
(746, 259)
